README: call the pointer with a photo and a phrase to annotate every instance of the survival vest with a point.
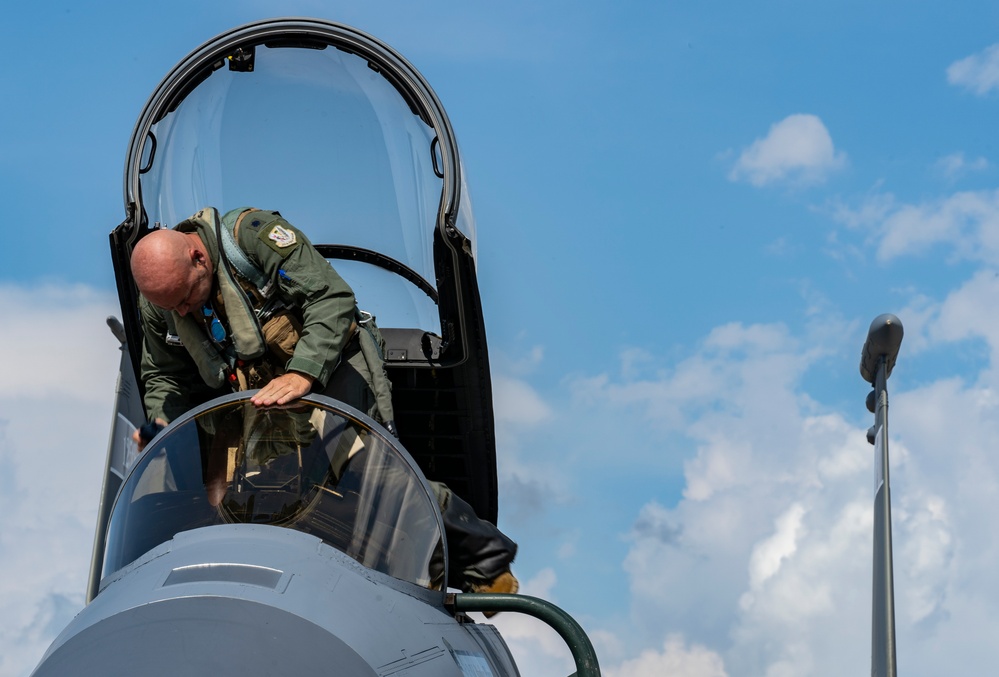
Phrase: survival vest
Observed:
(257, 321)
(247, 341)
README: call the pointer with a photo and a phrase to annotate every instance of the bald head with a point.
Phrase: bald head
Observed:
(172, 270)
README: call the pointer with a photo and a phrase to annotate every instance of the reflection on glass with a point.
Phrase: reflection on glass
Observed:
(315, 134)
(305, 467)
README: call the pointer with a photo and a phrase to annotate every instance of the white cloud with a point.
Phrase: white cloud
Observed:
(753, 567)
(675, 660)
(872, 210)
(718, 466)
(798, 150)
(920, 314)
(528, 481)
(978, 72)
(55, 331)
(966, 222)
(766, 560)
(928, 550)
(517, 403)
(956, 164)
(732, 355)
(769, 553)
(961, 316)
(55, 411)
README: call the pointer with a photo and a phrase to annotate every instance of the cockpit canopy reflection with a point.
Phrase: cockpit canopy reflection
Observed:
(310, 466)
(326, 139)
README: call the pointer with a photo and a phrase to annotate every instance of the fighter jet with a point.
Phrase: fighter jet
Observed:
(304, 539)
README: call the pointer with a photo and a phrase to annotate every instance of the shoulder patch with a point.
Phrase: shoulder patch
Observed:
(281, 238)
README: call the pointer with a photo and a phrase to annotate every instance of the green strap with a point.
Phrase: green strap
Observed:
(376, 367)
(237, 257)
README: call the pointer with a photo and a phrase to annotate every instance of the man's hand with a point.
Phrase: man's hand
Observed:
(140, 443)
(283, 389)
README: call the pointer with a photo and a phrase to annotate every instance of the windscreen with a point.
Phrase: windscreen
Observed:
(322, 137)
(306, 466)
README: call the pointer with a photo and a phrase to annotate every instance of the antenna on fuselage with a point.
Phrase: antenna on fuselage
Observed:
(877, 359)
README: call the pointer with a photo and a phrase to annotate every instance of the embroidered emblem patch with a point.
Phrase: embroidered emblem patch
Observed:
(282, 237)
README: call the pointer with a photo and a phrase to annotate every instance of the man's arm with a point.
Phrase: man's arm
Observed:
(168, 373)
(309, 285)
(283, 389)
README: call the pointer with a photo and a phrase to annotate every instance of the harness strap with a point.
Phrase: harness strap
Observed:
(247, 337)
(370, 344)
(240, 261)
(380, 385)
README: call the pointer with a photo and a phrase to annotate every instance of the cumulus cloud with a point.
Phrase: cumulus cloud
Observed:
(676, 660)
(962, 316)
(725, 417)
(772, 521)
(765, 561)
(55, 411)
(797, 150)
(956, 164)
(978, 72)
(768, 554)
(517, 403)
(966, 222)
(727, 360)
(60, 326)
(760, 562)
(529, 481)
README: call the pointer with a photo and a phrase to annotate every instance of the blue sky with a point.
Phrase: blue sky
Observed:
(688, 215)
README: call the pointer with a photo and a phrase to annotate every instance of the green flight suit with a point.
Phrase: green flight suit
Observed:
(306, 284)
(327, 350)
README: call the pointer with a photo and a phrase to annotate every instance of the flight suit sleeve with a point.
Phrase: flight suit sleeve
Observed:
(166, 370)
(307, 283)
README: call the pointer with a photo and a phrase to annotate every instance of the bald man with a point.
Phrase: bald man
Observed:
(201, 319)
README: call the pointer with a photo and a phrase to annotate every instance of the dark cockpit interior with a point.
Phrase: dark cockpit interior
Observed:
(314, 466)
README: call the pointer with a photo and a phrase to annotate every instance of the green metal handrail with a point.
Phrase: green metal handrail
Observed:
(564, 624)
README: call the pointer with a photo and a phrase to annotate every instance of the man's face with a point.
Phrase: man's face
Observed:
(191, 290)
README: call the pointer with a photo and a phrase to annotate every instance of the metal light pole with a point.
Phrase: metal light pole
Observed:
(876, 362)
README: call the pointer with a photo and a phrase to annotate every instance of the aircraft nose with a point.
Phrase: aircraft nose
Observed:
(196, 635)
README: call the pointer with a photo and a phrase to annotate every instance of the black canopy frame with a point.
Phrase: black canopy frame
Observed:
(441, 384)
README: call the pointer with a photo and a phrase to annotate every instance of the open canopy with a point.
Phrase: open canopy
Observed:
(331, 138)
(344, 138)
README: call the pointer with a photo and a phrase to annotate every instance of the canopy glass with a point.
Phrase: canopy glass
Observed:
(325, 138)
(313, 467)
